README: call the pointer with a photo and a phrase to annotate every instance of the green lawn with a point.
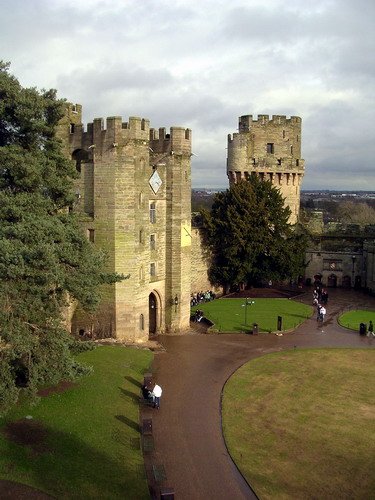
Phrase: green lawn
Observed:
(232, 315)
(84, 443)
(352, 319)
(300, 425)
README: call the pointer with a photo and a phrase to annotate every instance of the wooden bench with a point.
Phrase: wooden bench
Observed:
(147, 426)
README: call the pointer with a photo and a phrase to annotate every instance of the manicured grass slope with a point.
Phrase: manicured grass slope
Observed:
(301, 424)
(352, 319)
(92, 434)
(229, 315)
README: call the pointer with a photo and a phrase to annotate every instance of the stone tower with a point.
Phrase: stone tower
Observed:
(272, 150)
(134, 201)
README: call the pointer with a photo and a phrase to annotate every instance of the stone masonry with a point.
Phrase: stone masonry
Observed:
(272, 150)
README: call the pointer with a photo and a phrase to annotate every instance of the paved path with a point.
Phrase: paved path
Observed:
(192, 372)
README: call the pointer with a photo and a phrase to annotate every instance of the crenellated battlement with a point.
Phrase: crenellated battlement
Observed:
(177, 140)
(246, 122)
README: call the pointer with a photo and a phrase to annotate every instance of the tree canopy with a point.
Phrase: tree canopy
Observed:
(249, 237)
(45, 259)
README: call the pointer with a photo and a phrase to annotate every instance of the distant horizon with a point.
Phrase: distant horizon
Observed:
(325, 190)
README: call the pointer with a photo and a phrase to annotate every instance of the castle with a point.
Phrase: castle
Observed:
(133, 197)
(272, 150)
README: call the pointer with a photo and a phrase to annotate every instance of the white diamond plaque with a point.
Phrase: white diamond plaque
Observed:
(155, 182)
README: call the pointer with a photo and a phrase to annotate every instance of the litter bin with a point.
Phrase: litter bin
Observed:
(362, 328)
(279, 323)
(255, 328)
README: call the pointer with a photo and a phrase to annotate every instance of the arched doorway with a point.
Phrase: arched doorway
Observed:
(152, 313)
(332, 280)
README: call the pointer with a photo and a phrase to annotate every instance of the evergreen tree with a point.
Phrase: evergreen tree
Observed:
(45, 260)
(249, 237)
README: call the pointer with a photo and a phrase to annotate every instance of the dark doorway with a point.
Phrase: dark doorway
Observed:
(346, 282)
(152, 313)
(332, 280)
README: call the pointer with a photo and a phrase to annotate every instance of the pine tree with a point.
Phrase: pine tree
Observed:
(45, 260)
(248, 236)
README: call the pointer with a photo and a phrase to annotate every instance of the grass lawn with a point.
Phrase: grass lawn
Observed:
(83, 443)
(232, 315)
(300, 424)
(352, 319)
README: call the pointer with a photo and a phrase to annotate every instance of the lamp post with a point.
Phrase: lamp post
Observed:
(248, 302)
(353, 264)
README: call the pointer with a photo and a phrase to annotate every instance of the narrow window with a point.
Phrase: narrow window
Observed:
(152, 212)
(152, 269)
(91, 235)
(291, 150)
(270, 147)
(141, 236)
(141, 322)
(72, 127)
(152, 242)
(283, 134)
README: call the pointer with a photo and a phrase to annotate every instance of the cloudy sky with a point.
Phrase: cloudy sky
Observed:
(203, 63)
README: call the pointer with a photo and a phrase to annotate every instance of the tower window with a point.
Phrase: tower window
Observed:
(91, 235)
(238, 176)
(152, 212)
(152, 242)
(270, 148)
(152, 269)
(72, 128)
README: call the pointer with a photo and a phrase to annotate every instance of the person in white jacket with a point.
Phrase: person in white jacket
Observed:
(157, 391)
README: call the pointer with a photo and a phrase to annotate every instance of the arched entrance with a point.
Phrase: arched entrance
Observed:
(332, 280)
(152, 313)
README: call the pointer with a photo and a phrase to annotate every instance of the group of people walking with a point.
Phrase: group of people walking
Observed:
(320, 297)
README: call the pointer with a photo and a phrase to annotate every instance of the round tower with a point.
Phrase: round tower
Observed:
(270, 148)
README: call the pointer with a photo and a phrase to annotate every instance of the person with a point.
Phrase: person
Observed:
(270, 284)
(318, 308)
(157, 391)
(323, 312)
(146, 392)
(371, 329)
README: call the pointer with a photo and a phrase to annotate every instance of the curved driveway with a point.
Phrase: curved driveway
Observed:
(192, 372)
